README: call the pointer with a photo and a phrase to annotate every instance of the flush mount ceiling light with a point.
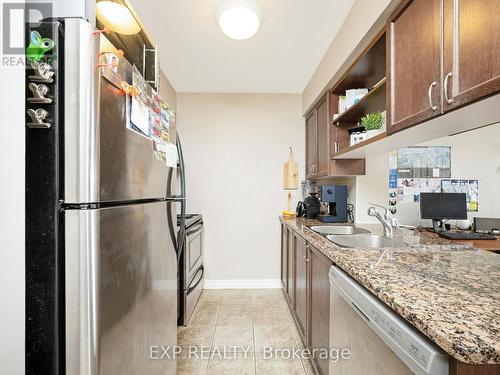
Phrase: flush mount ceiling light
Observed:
(239, 19)
(117, 17)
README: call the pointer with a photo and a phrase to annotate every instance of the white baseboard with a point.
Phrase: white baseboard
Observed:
(242, 284)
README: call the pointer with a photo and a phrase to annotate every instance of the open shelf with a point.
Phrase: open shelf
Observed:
(360, 145)
(482, 113)
(374, 101)
(366, 70)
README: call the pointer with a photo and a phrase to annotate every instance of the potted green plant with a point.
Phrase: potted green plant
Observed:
(373, 124)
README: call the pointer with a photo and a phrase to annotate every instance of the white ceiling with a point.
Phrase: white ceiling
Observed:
(281, 58)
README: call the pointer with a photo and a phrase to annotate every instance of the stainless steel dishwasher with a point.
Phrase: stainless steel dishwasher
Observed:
(378, 340)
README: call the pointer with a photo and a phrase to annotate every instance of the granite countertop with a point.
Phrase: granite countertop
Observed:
(450, 292)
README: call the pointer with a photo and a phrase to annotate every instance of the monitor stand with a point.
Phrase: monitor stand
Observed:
(437, 225)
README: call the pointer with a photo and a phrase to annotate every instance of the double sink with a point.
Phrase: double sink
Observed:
(351, 237)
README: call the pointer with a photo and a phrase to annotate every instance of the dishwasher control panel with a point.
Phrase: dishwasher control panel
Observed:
(402, 338)
(415, 350)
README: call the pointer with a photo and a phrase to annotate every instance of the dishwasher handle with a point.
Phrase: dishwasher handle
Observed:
(345, 296)
(360, 312)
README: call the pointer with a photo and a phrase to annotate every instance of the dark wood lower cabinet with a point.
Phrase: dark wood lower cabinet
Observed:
(459, 368)
(291, 268)
(307, 287)
(284, 257)
(320, 306)
(301, 286)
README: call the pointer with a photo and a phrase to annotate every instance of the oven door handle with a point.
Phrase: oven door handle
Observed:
(202, 270)
(197, 229)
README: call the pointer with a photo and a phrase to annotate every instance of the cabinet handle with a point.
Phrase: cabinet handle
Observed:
(448, 76)
(433, 84)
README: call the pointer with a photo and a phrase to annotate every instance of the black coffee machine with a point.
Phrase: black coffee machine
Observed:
(310, 207)
(335, 196)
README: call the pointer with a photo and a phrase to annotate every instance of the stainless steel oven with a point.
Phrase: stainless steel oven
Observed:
(192, 269)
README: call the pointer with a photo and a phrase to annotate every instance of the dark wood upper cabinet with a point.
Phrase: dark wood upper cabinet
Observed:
(321, 138)
(414, 63)
(471, 56)
(443, 54)
(323, 135)
(311, 143)
(301, 285)
(320, 306)
(317, 141)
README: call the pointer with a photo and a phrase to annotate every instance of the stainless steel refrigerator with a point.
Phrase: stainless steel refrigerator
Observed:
(101, 212)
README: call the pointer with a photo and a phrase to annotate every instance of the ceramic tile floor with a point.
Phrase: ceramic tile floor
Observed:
(240, 320)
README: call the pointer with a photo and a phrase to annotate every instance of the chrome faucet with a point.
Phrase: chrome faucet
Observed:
(388, 221)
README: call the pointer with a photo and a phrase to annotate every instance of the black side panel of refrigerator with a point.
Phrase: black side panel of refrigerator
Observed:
(45, 338)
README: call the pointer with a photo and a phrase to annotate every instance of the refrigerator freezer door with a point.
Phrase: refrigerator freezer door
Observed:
(104, 161)
(121, 290)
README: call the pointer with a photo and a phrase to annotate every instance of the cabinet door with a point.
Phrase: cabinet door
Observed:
(320, 306)
(414, 63)
(323, 135)
(471, 59)
(284, 257)
(301, 284)
(291, 268)
(311, 143)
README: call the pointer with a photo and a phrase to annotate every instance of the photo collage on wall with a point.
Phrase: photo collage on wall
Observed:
(415, 170)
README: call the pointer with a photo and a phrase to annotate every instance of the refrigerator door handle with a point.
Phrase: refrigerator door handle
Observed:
(181, 167)
(170, 221)
(179, 242)
(183, 194)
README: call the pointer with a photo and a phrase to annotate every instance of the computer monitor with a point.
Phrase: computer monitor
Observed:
(441, 206)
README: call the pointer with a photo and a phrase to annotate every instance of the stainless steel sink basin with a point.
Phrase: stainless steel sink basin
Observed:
(338, 229)
(366, 241)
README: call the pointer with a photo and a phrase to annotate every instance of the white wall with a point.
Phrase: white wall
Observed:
(474, 155)
(167, 91)
(235, 146)
(12, 219)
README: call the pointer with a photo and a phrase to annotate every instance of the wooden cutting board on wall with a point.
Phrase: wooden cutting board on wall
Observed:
(291, 173)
